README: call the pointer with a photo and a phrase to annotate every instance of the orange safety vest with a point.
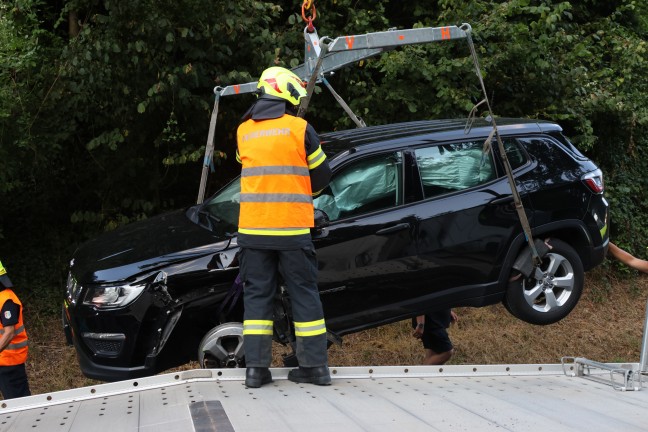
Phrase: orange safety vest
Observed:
(16, 352)
(276, 196)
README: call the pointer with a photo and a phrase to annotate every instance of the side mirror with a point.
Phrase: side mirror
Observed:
(321, 219)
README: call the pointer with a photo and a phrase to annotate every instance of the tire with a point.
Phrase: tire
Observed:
(548, 297)
(222, 347)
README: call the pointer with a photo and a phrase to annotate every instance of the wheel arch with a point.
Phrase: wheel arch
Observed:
(573, 232)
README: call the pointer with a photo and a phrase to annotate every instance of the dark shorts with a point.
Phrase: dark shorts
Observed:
(435, 334)
(437, 340)
(13, 381)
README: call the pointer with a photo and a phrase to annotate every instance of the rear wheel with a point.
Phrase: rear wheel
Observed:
(552, 291)
(222, 347)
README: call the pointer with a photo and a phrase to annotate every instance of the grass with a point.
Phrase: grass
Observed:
(606, 326)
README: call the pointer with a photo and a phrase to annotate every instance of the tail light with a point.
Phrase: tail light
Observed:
(594, 181)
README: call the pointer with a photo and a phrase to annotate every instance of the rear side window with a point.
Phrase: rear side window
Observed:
(453, 167)
(571, 149)
(515, 155)
(551, 156)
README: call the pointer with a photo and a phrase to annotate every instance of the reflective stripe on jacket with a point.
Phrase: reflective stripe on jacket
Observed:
(276, 196)
(16, 352)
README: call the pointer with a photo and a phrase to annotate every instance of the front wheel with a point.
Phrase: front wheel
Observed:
(222, 347)
(552, 290)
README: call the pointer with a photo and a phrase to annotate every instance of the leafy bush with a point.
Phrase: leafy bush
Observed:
(105, 105)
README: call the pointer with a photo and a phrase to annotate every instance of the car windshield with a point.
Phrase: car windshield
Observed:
(222, 209)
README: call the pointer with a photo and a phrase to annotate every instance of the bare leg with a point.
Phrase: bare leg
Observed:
(433, 358)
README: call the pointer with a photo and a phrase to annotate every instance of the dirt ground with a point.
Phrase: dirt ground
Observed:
(607, 326)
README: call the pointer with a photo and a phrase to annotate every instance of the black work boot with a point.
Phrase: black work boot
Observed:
(319, 375)
(255, 377)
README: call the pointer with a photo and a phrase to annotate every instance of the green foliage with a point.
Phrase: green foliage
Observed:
(581, 64)
(108, 125)
(19, 53)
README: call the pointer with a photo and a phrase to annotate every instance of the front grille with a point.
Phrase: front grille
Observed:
(105, 344)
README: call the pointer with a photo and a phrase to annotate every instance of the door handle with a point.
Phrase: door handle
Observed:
(503, 200)
(393, 228)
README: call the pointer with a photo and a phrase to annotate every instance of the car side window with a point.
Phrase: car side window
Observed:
(514, 153)
(367, 185)
(553, 156)
(224, 207)
(453, 167)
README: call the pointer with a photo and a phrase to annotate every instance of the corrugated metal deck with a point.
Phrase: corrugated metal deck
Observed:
(419, 398)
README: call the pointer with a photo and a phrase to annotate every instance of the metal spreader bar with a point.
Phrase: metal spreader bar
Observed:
(346, 50)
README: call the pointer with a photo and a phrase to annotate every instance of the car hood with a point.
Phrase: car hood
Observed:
(143, 247)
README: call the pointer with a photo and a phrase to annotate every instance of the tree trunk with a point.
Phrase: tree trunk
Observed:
(73, 24)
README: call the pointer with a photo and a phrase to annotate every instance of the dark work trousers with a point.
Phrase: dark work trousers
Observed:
(259, 271)
(13, 381)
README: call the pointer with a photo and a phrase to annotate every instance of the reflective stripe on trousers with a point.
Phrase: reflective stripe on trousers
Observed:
(257, 327)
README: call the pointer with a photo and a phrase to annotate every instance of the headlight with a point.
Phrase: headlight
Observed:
(72, 289)
(112, 296)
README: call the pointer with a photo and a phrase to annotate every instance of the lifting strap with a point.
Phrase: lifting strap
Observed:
(524, 221)
(209, 148)
(303, 106)
(357, 120)
(303, 103)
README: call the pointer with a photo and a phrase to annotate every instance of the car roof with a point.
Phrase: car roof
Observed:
(396, 134)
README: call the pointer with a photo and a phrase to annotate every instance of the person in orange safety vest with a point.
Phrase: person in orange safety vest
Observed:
(283, 167)
(13, 342)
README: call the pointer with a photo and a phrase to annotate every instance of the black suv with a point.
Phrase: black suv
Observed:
(418, 216)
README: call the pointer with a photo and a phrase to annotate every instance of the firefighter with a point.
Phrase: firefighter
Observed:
(283, 167)
(13, 342)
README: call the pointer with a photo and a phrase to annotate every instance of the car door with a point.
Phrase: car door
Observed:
(369, 245)
(467, 220)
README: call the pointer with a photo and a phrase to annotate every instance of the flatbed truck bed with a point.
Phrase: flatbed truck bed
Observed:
(516, 397)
